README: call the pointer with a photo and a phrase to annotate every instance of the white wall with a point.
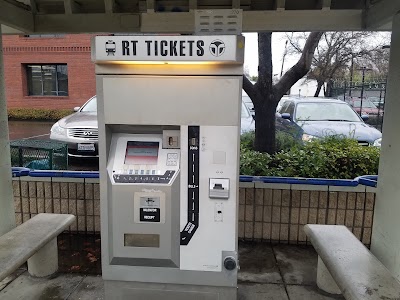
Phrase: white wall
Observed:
(307, 88)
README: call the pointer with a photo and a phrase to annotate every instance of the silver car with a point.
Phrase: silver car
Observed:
(79, 130)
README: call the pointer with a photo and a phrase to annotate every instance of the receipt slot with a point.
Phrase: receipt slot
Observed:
(169, 124)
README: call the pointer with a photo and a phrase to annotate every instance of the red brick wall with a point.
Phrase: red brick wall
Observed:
(73, 50)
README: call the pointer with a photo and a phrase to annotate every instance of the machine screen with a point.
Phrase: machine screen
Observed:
(141, 153)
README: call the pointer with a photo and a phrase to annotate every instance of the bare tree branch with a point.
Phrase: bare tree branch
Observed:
(338, 50)
(249, 89)
(301, 68)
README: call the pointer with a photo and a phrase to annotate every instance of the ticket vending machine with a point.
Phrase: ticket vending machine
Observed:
(169, 111)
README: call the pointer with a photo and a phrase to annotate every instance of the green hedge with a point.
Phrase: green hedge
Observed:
(37, 114)
(331, 157)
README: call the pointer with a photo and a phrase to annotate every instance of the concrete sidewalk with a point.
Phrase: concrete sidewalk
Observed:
(279, 272)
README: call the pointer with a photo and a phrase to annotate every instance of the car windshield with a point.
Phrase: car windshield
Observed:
(328, 111)
(245, 112)
(365, 104)
(90, 106)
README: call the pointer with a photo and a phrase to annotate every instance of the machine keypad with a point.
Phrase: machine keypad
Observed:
(124, 178)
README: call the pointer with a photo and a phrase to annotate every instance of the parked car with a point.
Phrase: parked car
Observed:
(79, 130)
(379, 102)
(281, 125)
(326, 117)
(368, 107)
(247, 101)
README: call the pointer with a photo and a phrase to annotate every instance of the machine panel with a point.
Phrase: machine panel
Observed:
(139, 166)
(140, 159)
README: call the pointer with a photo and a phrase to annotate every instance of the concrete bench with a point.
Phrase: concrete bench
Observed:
(346, 266)
(34, 241)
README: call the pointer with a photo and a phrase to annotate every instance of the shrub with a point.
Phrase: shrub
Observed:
(284, 141)
(331, 157)
(254, 163)
(37, 114)
(246, 141)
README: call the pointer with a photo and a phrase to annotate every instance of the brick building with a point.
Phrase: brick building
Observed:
(48, 71)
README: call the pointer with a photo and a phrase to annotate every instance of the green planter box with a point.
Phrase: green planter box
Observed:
(39, 154)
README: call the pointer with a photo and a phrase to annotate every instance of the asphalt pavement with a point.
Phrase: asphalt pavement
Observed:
(29, 130)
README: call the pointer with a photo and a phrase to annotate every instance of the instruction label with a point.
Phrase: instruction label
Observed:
(150, 209)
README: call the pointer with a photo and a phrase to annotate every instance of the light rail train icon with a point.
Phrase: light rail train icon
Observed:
(110, 48)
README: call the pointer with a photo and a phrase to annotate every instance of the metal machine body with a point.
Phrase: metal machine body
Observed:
(169, 125)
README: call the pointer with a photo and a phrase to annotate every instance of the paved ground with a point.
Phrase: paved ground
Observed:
(29, 130)
(267, 272)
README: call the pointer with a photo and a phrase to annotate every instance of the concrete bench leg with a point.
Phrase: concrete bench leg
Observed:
(45, 261)
(324, 279)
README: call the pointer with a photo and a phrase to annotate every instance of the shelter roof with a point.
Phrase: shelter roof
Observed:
(178, 16)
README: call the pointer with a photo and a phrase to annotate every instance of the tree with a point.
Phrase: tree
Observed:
(336, 53)
(265, 95)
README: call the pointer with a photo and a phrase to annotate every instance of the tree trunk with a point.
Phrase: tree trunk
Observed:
(265, 127)
(319, 87)
(264, 105)
(328, 92)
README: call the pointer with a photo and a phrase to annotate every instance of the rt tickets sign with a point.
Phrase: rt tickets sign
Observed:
(228, 48)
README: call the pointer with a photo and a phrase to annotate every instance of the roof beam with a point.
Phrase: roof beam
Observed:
(90, 23)
(305, 20)
(380, 15)
(110, 6)
(235, 4)
(71, 7)
(183, 22)
(326, 4)
(280, 5)
(33, 6)
(192, 4)
(150, 5)
(255, 21)
(16, 17)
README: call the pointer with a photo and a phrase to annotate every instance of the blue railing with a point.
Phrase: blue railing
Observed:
(367, 180)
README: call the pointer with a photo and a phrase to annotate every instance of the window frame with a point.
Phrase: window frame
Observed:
(29, 79)
(291, 109)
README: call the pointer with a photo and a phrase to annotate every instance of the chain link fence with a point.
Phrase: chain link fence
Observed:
(367, 98)
(39, 154)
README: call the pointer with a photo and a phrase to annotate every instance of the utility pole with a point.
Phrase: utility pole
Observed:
(363, 69)
(284, 56)
(351, 73)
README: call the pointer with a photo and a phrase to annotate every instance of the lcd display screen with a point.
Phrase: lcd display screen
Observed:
(141, 153)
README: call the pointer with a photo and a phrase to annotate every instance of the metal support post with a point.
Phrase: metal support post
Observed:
(7, 213)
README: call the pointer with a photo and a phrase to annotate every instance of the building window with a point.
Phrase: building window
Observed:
(47, 80)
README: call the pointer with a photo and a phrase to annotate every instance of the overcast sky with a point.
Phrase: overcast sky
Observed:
(278, 48)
